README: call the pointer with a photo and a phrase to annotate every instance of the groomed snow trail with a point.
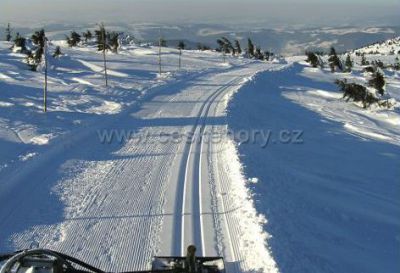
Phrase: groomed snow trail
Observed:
(115, 205)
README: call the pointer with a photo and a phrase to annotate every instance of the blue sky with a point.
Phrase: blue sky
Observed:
(223, 11)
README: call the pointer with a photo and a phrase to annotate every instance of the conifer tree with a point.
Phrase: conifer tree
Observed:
(397, 64)
(39, 39)
(266, 55)
(101, 39)
(34, 58)
(20, 42)
(334, 61)
(238, 47)
(87, 35)
(8, 33)
(312, 58)
(348, 63)
(57, 52)
(102, 45)
(181, 45)
(257, 54)
(32, 61)
(364, 60)
(74, 40)
(228, 46)
(250, 48)
(221, 45)
(377, 81)
(113, 40)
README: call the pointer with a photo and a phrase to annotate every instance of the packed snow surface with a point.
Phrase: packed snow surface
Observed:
(156, 186)
(262, 163)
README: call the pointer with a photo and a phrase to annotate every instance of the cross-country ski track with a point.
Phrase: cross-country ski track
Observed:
(115, 205)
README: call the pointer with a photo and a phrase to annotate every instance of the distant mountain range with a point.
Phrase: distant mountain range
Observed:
(285, 40)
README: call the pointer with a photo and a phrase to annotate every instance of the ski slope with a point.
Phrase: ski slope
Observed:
(115, 201)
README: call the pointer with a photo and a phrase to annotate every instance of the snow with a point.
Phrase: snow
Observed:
(331, 199)
(117, 204)
(154, 162)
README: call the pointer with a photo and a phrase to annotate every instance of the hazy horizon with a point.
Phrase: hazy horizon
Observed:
(274, 13)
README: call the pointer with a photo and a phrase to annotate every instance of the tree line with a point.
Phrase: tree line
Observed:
(234, 48)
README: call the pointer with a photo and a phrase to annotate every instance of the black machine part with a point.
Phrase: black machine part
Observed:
(49, 261)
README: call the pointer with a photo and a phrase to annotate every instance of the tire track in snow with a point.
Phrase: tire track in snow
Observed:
(192, 209)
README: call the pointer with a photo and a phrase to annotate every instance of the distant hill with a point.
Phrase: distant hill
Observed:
(285, 40)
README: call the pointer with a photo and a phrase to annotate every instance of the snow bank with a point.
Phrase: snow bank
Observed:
(331, 200)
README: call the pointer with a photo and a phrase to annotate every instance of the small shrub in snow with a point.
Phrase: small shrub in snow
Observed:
(258, 54)
(312, 59)
(397, 64)
(33, 60)
(74, 40)
(369, 69)
(181, 45)
(268, 55)
(334, 61)
(203, 47)
(357, 93)
(87, 36)
(20, 44)
(349, 63)
(113, 41)
(57, 52)
(377, 81)
(379, 64)
(364, 60)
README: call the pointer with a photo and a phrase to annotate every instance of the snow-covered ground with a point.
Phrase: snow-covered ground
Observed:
(112, 203)
(326, 171)
(114, 175)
